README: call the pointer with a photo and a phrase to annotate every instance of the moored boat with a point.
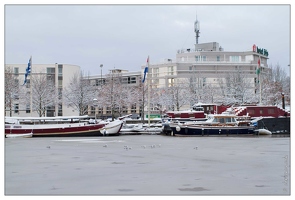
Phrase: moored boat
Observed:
(59, 126)
(136, 129)
(217, 124)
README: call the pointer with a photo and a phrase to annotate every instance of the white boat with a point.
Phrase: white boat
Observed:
(59, 126)
(140, 129)
(111, 128)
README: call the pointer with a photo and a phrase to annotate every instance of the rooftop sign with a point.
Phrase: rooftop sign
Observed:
(260, 50)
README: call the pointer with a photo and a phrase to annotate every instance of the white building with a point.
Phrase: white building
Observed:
(208, 63)
(61, 74)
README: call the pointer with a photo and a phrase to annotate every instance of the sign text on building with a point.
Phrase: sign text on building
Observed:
(260, 50)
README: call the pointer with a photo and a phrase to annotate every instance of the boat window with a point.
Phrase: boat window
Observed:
(198, 108)
(221, 120)
(228, 119)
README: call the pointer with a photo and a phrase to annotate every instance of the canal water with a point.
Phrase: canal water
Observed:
(147, 165)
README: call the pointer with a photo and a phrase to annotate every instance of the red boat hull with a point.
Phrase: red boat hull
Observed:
(86, 130)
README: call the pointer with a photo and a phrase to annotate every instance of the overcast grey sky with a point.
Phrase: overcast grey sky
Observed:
(122, 36)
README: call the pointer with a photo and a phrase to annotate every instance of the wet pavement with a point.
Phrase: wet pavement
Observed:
(147, 165)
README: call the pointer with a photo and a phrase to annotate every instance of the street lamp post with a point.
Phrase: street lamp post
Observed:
(101, 65)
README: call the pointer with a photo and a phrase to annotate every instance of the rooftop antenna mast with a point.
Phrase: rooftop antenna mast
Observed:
(197, 29)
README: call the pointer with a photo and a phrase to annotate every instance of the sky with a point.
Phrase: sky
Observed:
(123, 36)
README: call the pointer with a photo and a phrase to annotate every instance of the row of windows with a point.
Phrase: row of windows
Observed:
(204, 58)
(50, 70)
(124, 80)
(16, 108)
(129, 80)
(261, 111)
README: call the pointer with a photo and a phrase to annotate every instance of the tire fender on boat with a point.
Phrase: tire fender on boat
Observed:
(178, 128)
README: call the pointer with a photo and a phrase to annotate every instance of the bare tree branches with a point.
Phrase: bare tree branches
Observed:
(80, 93)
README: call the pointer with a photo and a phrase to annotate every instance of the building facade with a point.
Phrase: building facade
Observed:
(60, 74)
(209, 63)
(131, 81)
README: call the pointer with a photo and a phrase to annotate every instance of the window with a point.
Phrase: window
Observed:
(170, 70)
(16, 107)
(251, 111)
(92, 110)
(59, 110)
(50, 70)
(50, 112)
(51, 78)
(125, 80)
(60, 81)
(234, 58)
(218, 58)
(222, 120)
(100, 110)
(170, 82)
(156, 72)
(132, 80)
(16, 71)
(51, 74)
(59, 70)
(271, 111)
(133, 108)
(59, 93)
(124, 110)
(28, 108)
(99, 82)
(108, 110)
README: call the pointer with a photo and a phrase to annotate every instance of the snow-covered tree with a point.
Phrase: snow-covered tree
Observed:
(42, 94)
(273, 85)
(111, 93)
(80, 93)
(175, 96)
(11, 89)
(235, 88)
(209, 93)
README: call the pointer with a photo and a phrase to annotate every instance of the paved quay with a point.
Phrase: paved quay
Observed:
(147, 165)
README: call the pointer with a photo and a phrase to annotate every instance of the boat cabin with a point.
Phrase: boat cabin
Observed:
(222, 119)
